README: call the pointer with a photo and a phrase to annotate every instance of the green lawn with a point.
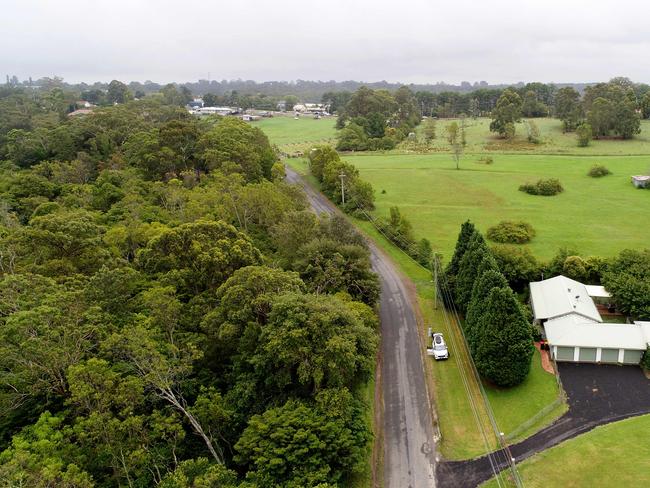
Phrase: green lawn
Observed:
(539, 390)
(293, 135)
(613, 455)
(594, 216)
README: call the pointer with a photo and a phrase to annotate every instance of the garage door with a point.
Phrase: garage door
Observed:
(632, 357)
(609, 355)
(588, 354)
(564, 353)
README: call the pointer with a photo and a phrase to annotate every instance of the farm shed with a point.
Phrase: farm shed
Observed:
(641, 181)
(574, 329)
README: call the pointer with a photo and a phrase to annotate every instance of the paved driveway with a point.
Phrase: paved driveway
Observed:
(600, 392)
(597, 395)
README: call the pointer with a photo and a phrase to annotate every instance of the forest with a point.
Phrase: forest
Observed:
(172, 314)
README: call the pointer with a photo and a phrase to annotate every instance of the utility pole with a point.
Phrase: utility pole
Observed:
(435, 277)
(342, 176)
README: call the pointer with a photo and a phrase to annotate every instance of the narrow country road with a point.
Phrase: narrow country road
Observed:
(409, 448)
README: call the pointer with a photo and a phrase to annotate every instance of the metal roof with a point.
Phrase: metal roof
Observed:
(597, 291)
(561, 296)
(573, 330)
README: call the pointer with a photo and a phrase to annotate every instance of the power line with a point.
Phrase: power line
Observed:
(491, 456)
(502, 456)
(504, 449)
(495, 458)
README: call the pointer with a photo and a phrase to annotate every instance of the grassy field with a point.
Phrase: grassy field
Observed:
(460, 429)
(552, 140)
(594, 216)
(292, 135)
(617, 454)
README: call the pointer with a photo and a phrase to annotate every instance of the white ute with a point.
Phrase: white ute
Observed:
(439, 347)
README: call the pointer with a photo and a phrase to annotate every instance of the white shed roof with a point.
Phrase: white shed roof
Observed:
(560, 296)
(597, 291)
(573, 330)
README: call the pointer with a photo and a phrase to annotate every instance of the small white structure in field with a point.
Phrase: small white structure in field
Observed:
(641, 181)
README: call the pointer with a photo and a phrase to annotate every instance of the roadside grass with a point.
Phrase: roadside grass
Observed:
(292, 135)
(460, 428)
(617, 454)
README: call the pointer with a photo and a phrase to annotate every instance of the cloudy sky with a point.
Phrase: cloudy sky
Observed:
(368, 40)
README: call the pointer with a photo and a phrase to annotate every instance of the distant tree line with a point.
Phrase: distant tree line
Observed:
(376, 119)
(303, 89)
(607, 109)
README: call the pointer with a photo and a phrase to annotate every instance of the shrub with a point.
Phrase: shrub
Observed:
(517, 264)
(598, 170)
(533, 132)
(510, 232)
(548, 187)
(585, 134)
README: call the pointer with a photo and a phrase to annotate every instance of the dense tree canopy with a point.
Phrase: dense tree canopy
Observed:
(627, 279)
(160, 284)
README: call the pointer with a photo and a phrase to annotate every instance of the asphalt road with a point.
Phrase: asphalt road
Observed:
(409, 448)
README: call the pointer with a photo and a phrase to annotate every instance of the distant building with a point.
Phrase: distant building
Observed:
(81, 111)
(574, 329)
(311, 108)
(196, 103)
(641, 181)
(214, 111)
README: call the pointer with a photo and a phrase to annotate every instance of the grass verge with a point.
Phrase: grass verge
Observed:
(364, 478)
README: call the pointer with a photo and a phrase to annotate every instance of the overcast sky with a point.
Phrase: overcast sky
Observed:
(420, 41)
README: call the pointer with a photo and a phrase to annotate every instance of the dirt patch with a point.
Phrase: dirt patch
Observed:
(547, 364)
